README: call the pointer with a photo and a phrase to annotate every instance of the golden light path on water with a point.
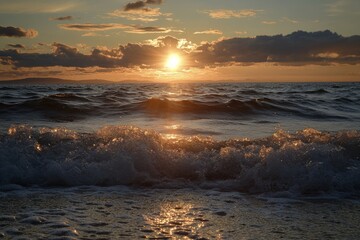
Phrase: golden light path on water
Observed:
(175, 220)
(172, 132)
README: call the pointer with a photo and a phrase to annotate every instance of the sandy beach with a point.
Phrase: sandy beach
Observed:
(133, 213)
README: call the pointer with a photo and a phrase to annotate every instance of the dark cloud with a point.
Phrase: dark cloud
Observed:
(110, 26)
(62, 55)
(143, 30)
(140, 4)
(134, 5)
(17, 32)
(93, 26)
(154, 1)
(298, 48)
(62, 18)
(139, 11)
(168, 41)
(130, 55)
(19, 46)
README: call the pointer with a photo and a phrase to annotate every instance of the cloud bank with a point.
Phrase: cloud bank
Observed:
(17, 32)
(298, 48)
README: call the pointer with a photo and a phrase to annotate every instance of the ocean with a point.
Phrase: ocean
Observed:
(180, 161)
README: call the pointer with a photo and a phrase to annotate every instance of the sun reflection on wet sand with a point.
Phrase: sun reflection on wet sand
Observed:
(174, 220)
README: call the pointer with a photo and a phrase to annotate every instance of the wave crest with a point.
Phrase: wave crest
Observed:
(307, 161)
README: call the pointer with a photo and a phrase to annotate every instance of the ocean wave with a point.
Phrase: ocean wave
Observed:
(67, 97)
(55, 107)
(317, 91)
(201, 101)
(7, 88)
(233, 106)
(258, 106)
(74, 106)
(49, 104)
(74, 88)
(251, 92)
(308, 161)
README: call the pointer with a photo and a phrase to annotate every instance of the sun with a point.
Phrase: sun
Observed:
(173, 61)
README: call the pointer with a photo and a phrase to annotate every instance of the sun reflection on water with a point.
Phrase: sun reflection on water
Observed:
(174, 220)
(171, 136)
(172, 132)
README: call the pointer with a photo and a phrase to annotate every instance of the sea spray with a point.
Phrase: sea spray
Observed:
(307, 161)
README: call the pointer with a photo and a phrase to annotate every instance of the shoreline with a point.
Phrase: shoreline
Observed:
(128, 213)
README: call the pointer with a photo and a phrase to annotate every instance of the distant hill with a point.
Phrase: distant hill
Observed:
(44, 81)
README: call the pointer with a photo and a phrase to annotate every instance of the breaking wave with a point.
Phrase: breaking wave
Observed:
(308, 161)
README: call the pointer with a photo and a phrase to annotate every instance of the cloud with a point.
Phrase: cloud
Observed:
(140, 4)
(154, 1)
(134, 5)
(19, 46)
(93, 26)
(298, 48)
(17, 32)
(226, 14)
(126, 56)
(92, 34)
(172, 42)
(138, 11)
(109, 26)
(145, 30)
(210, 31)
(62, 18)
(142, 14)
(62, 55)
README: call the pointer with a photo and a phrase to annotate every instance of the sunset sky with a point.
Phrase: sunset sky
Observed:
(169, 40)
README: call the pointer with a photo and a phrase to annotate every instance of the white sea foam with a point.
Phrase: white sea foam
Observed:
(308, 161)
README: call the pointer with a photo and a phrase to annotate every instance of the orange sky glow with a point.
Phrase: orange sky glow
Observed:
(180, 41)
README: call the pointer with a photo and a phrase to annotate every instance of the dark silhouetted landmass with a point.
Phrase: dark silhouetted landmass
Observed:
(44, 81)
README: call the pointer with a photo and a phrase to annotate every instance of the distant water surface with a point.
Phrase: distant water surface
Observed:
(220, 110)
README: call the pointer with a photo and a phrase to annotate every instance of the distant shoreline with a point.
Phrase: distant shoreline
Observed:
(49, 81)
(27, 81)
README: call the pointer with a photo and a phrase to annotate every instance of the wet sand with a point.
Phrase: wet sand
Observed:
(127, 213)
